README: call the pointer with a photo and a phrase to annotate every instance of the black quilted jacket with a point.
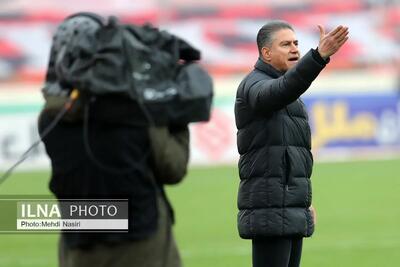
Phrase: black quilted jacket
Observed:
(274, 142)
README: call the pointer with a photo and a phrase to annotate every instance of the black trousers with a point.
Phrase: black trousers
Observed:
(277, 252)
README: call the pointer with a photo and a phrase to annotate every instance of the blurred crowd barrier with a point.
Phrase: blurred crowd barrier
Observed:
(354, 107)
(225, 31)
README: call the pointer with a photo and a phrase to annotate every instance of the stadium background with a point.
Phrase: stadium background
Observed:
(354, 111)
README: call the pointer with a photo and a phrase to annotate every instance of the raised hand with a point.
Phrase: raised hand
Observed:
(330, 43)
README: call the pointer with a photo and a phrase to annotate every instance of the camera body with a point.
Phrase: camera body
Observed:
(154, 69)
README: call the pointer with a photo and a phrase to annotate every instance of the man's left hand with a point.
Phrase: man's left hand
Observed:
(314, 214)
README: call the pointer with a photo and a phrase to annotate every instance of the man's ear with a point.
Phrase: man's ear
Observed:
(266, 53)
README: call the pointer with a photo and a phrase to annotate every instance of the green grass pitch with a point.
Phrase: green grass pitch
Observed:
(358, 205)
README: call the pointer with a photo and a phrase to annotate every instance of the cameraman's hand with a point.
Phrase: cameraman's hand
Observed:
(330, 43)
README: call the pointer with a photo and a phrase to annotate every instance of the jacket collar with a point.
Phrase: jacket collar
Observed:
(268, 69)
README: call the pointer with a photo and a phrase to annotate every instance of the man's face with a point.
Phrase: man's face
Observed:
(283, 53)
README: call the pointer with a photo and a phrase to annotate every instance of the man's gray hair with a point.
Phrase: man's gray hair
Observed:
(265, 34)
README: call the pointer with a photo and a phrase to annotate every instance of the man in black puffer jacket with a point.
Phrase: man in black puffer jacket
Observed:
(274, 143)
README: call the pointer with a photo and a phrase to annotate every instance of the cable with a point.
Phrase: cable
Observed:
(92, 157)
(67, 106)
(135, 88)
(146, 114)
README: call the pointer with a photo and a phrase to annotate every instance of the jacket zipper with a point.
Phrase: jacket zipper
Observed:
(287, 169)
(286, 156)
(285, 178)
